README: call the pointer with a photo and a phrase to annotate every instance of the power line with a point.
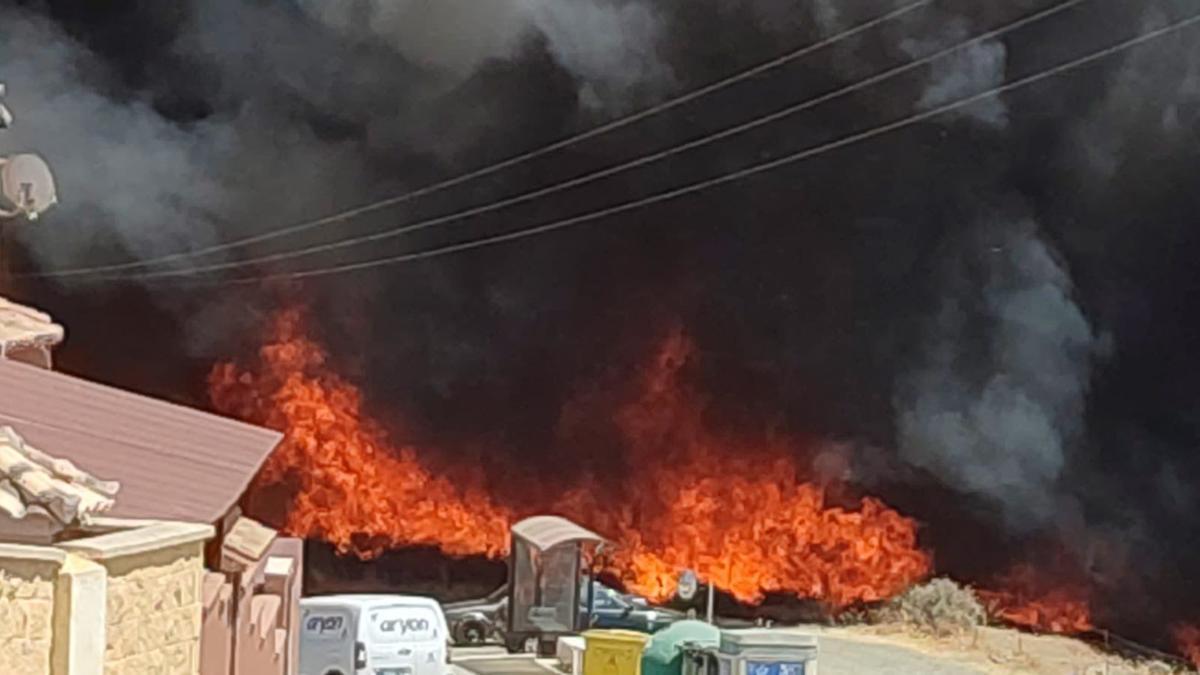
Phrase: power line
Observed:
(731, 177)
(625, 166)
(505, 164)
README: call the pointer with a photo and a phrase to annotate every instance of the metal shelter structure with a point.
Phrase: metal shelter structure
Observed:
(546, 575)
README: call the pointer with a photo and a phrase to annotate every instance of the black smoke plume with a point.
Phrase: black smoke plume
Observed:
(999, 304)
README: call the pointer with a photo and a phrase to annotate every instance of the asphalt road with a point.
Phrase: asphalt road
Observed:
(851, 657)
(504, 666)
(838, 657)
(490, 661)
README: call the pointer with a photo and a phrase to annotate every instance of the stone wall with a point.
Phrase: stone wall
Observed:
(121, 603)
(26, 608)
(154, 611)
(153, 601)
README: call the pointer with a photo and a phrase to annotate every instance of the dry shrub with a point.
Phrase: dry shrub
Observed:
(939, 607)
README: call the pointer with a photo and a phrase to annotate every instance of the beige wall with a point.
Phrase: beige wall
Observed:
(26, 611)
(122, 603)
(153, 611)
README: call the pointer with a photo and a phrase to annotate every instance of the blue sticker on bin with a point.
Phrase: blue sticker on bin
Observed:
(774, 668)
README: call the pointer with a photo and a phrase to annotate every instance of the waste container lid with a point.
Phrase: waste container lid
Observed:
(623, 636)
(667, 643)
(739, 640)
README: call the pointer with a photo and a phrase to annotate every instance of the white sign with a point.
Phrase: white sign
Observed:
(687, 585)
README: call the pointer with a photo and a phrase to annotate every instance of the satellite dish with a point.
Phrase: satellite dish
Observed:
(27, 186)
(687, 585)
(6, 117)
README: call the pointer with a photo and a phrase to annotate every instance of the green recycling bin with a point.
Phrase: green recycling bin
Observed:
(664, 652)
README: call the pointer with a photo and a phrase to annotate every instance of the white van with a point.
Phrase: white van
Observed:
(373, 635)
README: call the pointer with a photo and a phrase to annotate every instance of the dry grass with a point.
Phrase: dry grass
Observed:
(939, 607)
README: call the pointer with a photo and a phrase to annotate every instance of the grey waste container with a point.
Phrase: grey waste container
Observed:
(767, 652)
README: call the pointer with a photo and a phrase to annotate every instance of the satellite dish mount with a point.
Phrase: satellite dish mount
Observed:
(27, 187)
(26, 184)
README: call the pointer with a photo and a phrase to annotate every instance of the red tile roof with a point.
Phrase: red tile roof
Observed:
(172, 462)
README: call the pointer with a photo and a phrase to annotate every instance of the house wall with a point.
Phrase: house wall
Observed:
(154, 611)
(268, 611)
(216, 631)
(250, 617)
(27, 577)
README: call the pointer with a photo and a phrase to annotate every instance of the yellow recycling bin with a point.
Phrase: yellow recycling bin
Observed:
(613, 652)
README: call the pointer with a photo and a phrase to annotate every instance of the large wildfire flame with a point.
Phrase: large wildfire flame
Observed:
(1029, 599)
(350, 486)
(1187, 641)
(738, 512)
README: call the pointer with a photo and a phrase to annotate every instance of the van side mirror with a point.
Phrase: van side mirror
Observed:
(360, 656)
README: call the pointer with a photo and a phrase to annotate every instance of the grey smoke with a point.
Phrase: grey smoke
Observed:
(119, 165)
(997, 399)
(963, 73)
(409, 76)
(1153, 102)
(782, 16)
(129, 173)
(610, 46)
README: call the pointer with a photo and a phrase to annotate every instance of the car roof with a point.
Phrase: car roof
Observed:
(367, 600)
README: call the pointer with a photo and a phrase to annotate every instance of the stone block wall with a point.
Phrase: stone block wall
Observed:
(26, 613)
(122, 603)
(154, 611)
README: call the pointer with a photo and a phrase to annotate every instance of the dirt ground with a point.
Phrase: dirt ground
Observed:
(997, 651)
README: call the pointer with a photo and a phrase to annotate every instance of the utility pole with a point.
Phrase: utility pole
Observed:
(26, 189)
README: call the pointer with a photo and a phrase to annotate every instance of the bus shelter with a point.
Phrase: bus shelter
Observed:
(547, 575)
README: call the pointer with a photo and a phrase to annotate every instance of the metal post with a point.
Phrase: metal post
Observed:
(5, 257)
(711, 599)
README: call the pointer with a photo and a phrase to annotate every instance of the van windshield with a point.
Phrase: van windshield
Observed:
(403, 623)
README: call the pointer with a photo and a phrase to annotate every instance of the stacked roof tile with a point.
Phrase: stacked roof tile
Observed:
(32, 482)
(24, 327)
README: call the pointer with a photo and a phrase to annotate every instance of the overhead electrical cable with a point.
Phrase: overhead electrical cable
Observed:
(756, 169)
(644, 160)
(543, 151)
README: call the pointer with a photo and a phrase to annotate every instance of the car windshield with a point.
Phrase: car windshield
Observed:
(605, 597)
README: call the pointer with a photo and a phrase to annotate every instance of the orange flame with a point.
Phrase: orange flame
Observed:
(1028, 599)
(352, 488)
(735, 511)
(1187, 641)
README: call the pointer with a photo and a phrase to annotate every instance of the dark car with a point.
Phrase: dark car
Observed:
(474, 622)
(612, 609)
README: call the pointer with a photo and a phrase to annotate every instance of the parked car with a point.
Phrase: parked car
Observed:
(612, 609)
(474, 622)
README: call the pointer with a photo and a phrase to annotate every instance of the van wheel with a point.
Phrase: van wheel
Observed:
(471, 633)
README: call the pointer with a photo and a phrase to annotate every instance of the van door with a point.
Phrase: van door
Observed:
(326, 640)
(404, 639)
